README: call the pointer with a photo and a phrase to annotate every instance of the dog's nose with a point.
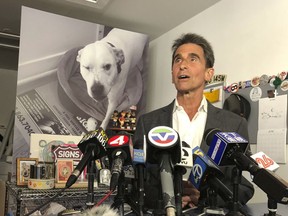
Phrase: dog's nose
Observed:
(98, 92)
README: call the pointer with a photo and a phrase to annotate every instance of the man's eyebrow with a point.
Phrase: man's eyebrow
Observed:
(177, 55)
(190, 55)
(194, 55)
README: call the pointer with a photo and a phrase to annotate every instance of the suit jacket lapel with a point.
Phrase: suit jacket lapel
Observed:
(167, 115)
(213, 121)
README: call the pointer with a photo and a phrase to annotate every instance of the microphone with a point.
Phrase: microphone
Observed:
(164, 149)
(182, 171)
(265, 162)
(223, 145)
(273, 185)
(119, 151)
(186, 163)
(139, 161)
(205, 173)
(93, 147)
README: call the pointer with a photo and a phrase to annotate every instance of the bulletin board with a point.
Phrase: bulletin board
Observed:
(253, 118)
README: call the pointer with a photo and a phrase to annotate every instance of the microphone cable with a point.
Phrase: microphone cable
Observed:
(104, 198)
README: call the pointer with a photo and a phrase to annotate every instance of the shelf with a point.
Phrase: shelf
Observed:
(24, 193)
(25, 199)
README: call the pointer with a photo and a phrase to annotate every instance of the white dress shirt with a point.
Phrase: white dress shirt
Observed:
(190, 131)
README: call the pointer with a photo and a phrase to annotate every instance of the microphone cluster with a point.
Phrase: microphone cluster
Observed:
(229, 148)
(119, 151)
(177, 162)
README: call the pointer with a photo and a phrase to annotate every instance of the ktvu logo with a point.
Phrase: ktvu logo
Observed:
(186, 159)
(163, 137)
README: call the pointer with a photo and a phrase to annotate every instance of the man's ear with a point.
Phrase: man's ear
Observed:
(209, 74)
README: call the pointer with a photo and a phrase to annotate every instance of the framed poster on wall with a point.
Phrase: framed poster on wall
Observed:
(73, 75)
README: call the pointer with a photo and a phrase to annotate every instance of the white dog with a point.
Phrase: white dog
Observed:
(105, 66)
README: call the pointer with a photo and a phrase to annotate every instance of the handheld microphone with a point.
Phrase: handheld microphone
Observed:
(223, 145)
(163, 138)
(273, 185)
(205, 173)
(164, 148)
(93, 147)
(139, 161)
(182, 171)
(186, 163)
(265, 162)
(119, 151)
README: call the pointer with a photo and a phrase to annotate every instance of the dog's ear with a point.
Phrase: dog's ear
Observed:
(78, 58)
(119, 54)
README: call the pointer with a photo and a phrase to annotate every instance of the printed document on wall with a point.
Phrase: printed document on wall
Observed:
(272, 121)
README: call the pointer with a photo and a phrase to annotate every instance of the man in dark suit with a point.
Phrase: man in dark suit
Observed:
(190, 114)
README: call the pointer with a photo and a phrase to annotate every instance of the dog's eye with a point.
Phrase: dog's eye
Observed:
(107, 66)
(86, 67)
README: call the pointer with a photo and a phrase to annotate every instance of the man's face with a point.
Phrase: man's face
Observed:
(189, 72)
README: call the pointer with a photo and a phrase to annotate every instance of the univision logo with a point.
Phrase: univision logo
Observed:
(162, 137)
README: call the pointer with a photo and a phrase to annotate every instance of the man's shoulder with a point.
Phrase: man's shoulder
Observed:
(165, 109)
(223, 112)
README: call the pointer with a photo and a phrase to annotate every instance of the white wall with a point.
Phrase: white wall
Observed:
(249, 39)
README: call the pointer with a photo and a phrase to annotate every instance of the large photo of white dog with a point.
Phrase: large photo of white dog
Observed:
(73, 75)
(104, 76)
(107, 64)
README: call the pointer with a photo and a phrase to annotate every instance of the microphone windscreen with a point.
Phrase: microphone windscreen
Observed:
(209, 135)
(102, 210)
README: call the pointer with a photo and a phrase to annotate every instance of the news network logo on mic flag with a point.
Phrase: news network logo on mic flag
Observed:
(220, 142)
(99, 134)
(118, 140)
(186, 157)
(264, 161)
(198, 151)
(197, 173)
(163, 137)
(138, 156)
(96, 136)
(231, 137)
(205, 158)
(186, 161)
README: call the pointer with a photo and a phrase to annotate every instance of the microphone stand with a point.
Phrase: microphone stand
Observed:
(159, 211)
(140, 176)
(166, 172)
(212, 209)
(91, 172)
(234, 209)
(272, 207)
(120, 196)
(178, 174)
(137, 203)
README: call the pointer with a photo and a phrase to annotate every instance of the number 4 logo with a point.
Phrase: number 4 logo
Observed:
(118, 140)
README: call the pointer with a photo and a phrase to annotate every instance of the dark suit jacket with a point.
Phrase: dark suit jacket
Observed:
(216, 118)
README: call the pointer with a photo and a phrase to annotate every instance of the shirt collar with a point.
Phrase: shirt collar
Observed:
(202, 108)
